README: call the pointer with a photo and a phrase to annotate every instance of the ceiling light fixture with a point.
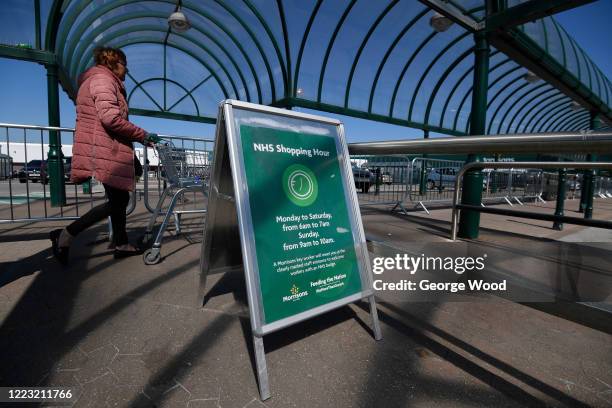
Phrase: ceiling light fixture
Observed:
(440, 22)
(575, 106)
(530, 77)
(178, 21)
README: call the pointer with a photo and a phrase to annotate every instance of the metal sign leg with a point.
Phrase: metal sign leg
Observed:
(375, 322)
(262, 368)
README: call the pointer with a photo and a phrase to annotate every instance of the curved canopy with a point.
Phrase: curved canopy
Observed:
(379, 60)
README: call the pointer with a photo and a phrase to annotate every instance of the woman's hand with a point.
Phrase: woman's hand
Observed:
(151, 139)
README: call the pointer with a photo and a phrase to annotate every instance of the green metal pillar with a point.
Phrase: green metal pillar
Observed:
(559, 209)
(472, 181)
(589, 181)
(423, 175)
(589, 178)
(55, 162)
(583, 192)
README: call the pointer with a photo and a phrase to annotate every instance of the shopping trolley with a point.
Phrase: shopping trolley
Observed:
(183, 170)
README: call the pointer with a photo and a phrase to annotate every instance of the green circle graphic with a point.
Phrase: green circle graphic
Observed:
(300, 185)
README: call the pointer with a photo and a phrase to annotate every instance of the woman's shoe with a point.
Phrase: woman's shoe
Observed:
(123, 253)
(60, 253)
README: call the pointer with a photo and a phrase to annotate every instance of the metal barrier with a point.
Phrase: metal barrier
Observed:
(603, 187)
(424, 182)
(24, 194)
(432, 181)
(523, 214)
(551, 183)
(381, 180)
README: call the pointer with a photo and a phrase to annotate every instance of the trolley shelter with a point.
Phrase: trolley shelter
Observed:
(283, 207)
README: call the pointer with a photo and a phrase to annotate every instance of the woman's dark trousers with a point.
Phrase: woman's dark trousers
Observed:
(115, 208)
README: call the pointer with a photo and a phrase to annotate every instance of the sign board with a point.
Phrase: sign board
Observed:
(283, 206)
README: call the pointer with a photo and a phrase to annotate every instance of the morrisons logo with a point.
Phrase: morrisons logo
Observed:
(295, 294)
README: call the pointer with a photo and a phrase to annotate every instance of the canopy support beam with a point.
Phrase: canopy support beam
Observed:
(472, 181)
(529, 11)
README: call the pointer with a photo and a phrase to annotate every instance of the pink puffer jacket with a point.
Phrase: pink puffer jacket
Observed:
(103, 135)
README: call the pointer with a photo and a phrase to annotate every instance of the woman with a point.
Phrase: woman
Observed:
(103, 149)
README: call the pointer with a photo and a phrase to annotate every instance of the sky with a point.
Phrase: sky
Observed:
(24, 90)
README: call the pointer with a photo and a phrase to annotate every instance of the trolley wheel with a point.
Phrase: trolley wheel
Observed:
(150, 257)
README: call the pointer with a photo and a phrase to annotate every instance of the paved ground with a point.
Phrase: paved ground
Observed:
(125, 334)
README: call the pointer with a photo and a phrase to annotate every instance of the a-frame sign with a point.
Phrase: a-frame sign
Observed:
(283, 207)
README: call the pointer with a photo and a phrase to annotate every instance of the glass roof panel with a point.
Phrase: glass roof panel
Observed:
(376, 50)
(185, 106)
(437, 94)
(211, 64)
(318, 40)
(359, 57)
(144, 37)
(269, 36)
(174, 93)
(344, 50)
(208, 96)
(433, 74)
(17, 27)
(184, 68)
(228, 48)
(425, 51)
(401, 58)
(234, 26)
(45, 8)
(297, 15)
(145, 60)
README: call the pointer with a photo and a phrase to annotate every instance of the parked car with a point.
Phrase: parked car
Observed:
(67, 168)
(386, 178)
(363, 177)
(441, 176)
(36, 171)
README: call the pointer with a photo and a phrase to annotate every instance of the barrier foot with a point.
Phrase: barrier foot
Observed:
(508, 201)
(424, 208)
(482, 205)
(518, 201)
(401, 208)
(262, 368)
(541, 199)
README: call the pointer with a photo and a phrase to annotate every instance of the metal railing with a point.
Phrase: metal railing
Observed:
(424, 182)
(24, 194)
(523, 214)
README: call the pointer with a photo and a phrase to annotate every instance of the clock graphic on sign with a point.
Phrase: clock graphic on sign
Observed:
(300, 185)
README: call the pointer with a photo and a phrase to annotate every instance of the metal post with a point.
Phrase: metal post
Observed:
(262, 368)
(423, 175)
(55, 163)
(493, 175)
(472, 183)
(559, 209)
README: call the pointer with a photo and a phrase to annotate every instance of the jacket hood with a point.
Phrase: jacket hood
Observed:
(99, 69)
